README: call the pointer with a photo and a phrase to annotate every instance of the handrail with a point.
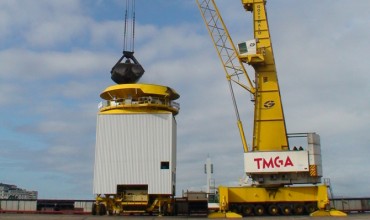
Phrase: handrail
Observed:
(143, 101)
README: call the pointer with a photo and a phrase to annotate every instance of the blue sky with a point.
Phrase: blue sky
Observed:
(55, 58)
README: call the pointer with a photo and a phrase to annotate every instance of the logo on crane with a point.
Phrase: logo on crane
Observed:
(284, 161)
(269, 104)
(273, 162)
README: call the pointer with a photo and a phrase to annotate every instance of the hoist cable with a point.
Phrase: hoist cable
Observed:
(129, 29)
(133, 25)
(125, 28)
(128, 69)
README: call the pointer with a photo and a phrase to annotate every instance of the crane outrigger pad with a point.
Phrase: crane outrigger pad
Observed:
(331, 212)
(128, 72)
(224, 215)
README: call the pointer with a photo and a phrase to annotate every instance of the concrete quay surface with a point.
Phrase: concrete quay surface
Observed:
(5, 216)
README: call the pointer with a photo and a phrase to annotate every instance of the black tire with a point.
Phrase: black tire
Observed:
(102, 209)
(170, 209)
(286, 209)
(164, 209)
(247, 210)
(234, 208)
(298, 209)
(93, 209)
(259, 210)
(273, 209)
(310, 207)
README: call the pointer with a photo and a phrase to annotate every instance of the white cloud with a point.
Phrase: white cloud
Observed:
(107, 33)
(31, 65)
(51, 33)
(25, 19)
(9, 96)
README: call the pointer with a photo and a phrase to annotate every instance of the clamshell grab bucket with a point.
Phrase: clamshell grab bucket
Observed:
(129, 71)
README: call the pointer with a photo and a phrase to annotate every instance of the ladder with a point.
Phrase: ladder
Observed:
(330, 190)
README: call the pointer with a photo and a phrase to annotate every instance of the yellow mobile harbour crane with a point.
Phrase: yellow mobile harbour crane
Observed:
(275, 168)
(133, 174)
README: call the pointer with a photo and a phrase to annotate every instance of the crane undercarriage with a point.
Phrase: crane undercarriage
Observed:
(251, 200)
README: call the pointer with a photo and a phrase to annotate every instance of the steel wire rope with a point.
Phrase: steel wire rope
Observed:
(129, 26)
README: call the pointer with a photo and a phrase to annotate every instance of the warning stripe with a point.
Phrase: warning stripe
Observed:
(313, 170)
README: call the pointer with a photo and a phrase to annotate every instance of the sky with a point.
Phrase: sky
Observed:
(56, 56)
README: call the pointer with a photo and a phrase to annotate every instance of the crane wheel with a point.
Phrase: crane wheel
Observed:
(235, 208)
(93, 209)
(102, 209)
(259, 210)
(286, 209)
(273, 209)
(298, 209)
(247, 210)
(310, 207)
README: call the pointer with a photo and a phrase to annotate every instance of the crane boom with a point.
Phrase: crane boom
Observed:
(228, 55)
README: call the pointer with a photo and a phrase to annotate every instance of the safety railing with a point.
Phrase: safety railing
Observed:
(144, 101)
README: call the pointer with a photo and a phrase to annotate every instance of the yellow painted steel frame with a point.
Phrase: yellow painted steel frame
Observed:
(136, 90)
(115, 205)
(163, 203)
(258, 195)
(269, 124)
(139, 98)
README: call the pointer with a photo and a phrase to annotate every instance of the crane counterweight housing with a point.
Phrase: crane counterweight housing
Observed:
(286, 167)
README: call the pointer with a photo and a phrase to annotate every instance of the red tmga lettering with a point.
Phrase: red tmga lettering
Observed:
(276, 162)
